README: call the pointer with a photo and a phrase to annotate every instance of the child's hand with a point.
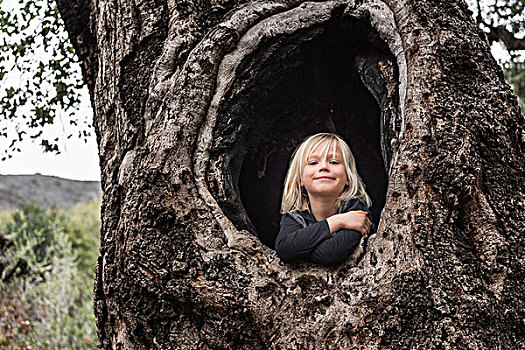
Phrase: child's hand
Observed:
(353, 220)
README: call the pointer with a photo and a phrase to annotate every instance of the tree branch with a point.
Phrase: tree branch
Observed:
(500, 33)
(76, 15)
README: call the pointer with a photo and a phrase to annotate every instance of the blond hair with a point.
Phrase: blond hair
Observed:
(293, 196)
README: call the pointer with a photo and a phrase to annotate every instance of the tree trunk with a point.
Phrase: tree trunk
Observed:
(198, 106)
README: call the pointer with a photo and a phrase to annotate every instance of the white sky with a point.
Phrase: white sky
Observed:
(78, 160)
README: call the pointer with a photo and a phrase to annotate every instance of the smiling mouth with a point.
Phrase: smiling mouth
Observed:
(324, 178)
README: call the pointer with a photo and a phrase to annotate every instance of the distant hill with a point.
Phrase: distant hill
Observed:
(16, 190)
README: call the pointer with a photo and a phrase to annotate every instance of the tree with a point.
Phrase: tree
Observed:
(197, 108)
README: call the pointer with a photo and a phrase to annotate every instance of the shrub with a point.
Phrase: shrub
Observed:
(83, 229)
(47, 277)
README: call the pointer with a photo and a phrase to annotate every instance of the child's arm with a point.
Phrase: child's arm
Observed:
(295, 242)
(337, 249)
(315, 243)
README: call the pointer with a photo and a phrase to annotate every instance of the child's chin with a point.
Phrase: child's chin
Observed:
(333, 193)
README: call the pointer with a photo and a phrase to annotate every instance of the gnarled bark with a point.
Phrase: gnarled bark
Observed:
(198, 106)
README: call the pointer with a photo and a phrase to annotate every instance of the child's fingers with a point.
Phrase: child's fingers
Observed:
(357, 220)
(360, 212)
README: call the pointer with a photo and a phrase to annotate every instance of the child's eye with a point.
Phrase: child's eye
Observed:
(334, 162)
(312, 162)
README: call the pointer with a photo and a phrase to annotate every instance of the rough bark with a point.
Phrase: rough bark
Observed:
(187, 117)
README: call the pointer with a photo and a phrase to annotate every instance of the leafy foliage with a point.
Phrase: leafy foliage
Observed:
(504, 14)
(35, 233)
(48, 302)
(40, 75)
(514, 70)
(83, 226)
(504, 23)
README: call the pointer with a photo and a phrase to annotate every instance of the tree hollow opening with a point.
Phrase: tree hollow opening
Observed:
(338, 76)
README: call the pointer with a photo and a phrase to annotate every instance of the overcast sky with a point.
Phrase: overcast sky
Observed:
(79, 160)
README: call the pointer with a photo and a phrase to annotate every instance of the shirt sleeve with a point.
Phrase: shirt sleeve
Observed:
(295, 242)
(335, 250)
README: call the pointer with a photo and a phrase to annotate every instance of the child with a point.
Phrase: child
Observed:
(325, 206)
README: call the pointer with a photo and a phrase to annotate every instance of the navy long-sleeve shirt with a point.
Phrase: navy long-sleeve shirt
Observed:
(311, 240)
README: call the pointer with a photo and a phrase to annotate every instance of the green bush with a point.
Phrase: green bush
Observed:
(514, 70)
(32, 235)
(46, 277)
(83, 229)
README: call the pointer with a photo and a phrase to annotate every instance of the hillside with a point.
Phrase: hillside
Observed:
(16, 190)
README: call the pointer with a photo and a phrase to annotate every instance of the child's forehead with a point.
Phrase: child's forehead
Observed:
(324, 149)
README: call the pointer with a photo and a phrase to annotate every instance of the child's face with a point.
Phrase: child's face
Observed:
(324, 175)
